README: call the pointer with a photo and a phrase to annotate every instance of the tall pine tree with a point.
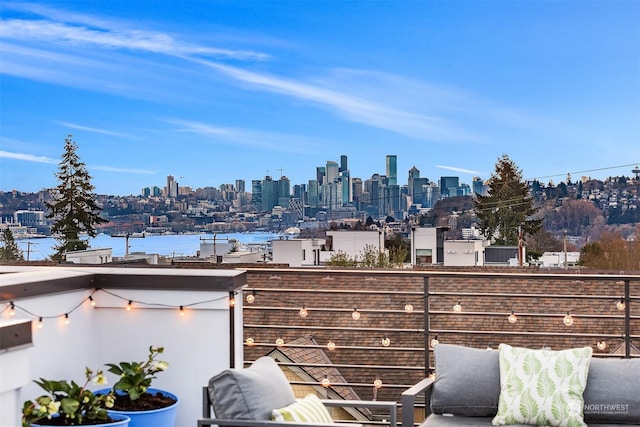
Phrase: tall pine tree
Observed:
(10, 250)
(508, 208)
(74, 210)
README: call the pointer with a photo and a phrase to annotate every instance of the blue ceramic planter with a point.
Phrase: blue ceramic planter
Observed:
(120, 420)
(163, 417)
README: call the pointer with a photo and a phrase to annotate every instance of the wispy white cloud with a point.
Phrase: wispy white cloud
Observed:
(122, 170)
(355, 108)
(226, 135)
(94, 130)
(461, 170)
(27, 157)
(138, 40)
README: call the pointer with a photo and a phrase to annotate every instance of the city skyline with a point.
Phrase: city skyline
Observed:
(211, 92)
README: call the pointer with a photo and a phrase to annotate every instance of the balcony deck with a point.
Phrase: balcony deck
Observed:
(378, 355)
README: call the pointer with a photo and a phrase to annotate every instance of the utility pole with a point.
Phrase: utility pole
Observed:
(214, 239)
(565, 249)
(126, 241)
(520, 247)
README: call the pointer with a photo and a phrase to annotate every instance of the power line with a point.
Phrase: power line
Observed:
(585, 171)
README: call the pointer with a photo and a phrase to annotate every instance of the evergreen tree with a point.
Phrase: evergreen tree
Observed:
(10, 250)
(74, 210)
(508, 207)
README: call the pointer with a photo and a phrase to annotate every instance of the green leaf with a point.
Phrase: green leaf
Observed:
(545, 387)
(528, 406)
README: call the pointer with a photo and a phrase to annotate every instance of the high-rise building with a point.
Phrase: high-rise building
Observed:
(392, 169)
(269, 194)
(284, 191)
(172, 187)
(256, 194)
(332, 171)
(478, 186)
(313, 193)
(240, 185)
(449, 186)
(343, 163)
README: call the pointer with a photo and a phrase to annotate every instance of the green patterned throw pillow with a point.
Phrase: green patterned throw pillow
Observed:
(542, 387)
(307, 410)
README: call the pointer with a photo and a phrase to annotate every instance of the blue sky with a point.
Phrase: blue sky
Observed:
(214, 91)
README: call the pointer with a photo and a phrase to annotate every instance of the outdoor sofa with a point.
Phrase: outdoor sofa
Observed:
(467, 386)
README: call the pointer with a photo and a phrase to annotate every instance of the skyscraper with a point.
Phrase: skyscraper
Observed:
(343, 163)
(392, 169)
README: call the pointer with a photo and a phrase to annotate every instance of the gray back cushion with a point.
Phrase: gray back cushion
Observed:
(613, 391)
(250, 393)
(467, 381)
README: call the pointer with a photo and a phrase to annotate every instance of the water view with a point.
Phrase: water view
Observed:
(173, 245)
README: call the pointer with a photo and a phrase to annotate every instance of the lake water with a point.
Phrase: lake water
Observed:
(168, 245)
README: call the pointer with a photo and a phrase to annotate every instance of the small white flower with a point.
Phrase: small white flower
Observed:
(160, 366)
(100, 379)
(53, 408)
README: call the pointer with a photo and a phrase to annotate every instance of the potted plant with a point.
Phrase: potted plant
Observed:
(69, 404)
(134, 396)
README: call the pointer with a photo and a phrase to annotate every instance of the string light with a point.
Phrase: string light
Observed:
(181, 311)
(66, 319)
(279, 342)
(377, 383)
(91, 301)
(386, 342)
(434, 341)
(40, 324)
(331, 345)
(251, 298)
(408, 308)
(232, 301)
(325, 382)
(129, 305)
(12, 309)
(355, 314)
(457, 307)
(601, 345)
(620, 305)
(568, 319)
(303, 312)
(250, 342)
(512, 317)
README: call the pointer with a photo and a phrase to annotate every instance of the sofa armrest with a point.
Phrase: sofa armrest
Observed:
(391, 406)
(202, 422)
(408, 400)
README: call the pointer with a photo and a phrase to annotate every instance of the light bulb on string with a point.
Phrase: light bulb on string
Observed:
(279, 342)
(251, 298)
(66, 319)
(250, 342)
(325, 382)
(434, 341)
(40, 324)
(303, 312)
(92, 301)
(377, 383)
(129, 305)
(512, 317)
(601, 345)
(181, 311)
(620, 305)
(408, 308)
(12, 309)
(457, 308)
(568, 319)
(386, 342)
(232, 301)
(355, 314)
(331, 345)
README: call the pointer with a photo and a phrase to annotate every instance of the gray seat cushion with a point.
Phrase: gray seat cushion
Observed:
(250, 393)
(613, 391)
(467, 381)
(454, 421)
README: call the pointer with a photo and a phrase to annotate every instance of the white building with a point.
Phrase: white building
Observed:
(90, 256)
(427, 245)
(464, 252)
